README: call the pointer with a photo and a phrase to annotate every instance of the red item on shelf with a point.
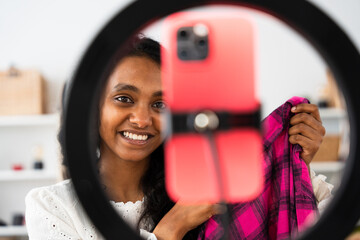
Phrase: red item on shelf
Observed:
(17, 167)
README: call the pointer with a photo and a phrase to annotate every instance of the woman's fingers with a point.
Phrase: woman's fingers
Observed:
(309, 120)
(307, 130)
(312, 109)
(309, 147)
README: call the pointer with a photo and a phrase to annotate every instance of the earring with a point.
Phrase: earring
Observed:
(98, 152)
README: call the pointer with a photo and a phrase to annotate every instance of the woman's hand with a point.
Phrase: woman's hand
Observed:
(183, 218)
(307, 130)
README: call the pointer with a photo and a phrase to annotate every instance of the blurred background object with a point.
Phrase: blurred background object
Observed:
(21, 92)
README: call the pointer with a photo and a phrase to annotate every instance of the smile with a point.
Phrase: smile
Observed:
(133, 136)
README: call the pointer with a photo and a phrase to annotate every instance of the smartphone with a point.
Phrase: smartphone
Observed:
(207, 64)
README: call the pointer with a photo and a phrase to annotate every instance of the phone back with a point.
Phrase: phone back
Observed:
(208, 64)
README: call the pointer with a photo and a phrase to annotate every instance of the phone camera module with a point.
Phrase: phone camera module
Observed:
(192, 42)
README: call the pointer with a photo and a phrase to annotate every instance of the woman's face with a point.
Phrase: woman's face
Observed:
(130, 110)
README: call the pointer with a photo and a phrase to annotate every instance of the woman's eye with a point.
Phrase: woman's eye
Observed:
(159, 105)
(124, 99)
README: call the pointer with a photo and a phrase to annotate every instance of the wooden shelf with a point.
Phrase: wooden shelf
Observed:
(29, 120)
(26, 175)
(6, 231)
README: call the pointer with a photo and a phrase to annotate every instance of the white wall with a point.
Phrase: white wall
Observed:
(51, 36)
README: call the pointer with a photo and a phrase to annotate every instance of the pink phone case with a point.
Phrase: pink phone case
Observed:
(223, 81)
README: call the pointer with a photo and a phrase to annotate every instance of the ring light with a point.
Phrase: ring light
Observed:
(311, 23)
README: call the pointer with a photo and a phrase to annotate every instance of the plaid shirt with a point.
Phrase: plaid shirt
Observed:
(287, 199)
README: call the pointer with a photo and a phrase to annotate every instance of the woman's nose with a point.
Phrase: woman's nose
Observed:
(141, 117)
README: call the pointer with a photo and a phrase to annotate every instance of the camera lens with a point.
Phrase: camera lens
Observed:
(202, 43)
(183, 54)
(183, 34)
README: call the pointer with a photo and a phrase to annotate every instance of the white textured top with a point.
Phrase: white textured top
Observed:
(55, 213)
(322, 190)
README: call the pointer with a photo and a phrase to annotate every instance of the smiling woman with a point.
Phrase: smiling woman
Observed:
(131, 164)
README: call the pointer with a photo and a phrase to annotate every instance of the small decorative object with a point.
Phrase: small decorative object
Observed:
(38, 157)
(18, 219)
(2, 223)
(21, 92)
(17, 167)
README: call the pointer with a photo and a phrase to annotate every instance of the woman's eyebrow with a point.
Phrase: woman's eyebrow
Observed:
(123, 86)
(158, 94)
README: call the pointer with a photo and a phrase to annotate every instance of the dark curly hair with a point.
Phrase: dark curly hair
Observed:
(157, 202)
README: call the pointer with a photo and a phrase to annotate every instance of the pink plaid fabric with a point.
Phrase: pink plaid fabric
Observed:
(287, 200)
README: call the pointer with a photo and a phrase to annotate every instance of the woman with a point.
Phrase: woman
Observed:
(131, 160)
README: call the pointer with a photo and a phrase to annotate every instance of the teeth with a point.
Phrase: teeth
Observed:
(134, 136)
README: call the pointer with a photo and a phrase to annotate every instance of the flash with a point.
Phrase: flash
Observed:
(201, 30)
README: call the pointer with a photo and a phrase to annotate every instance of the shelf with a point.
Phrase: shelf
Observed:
(334, 120)
(29, 120)
(337, 113)
(6, 231)
(327, 166)
(25, 175)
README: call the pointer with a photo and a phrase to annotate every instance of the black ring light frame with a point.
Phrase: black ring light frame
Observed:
(311, 23)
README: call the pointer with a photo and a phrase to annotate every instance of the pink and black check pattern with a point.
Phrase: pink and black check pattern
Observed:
(287, 202)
